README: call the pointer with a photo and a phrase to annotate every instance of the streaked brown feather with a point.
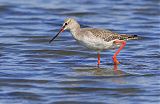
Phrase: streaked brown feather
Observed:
(108, 35)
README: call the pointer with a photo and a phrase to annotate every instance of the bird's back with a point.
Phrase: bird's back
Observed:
(108, 35)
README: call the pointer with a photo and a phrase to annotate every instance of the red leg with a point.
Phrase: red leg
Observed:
(98, 59)
(115, 68)
(123, 43)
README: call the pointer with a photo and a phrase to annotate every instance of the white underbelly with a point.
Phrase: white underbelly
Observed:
(97, 44)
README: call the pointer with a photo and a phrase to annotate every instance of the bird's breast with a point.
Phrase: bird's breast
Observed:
(96, 43)
(90, 41)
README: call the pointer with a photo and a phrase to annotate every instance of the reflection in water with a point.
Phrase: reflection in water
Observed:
(101, 73)
(114, 71)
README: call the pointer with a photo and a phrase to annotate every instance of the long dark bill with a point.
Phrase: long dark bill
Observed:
(56, 35)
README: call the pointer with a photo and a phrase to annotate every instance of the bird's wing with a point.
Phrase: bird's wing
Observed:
(106, 35)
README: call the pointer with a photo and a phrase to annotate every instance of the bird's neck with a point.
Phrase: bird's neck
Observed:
(75, 30)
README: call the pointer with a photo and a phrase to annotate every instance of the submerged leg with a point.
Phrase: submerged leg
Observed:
(98, 63)
(115, 68)
(123, 43)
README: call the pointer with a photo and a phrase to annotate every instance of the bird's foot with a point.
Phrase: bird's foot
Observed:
(116, 62)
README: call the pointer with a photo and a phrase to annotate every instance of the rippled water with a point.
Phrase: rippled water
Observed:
(32, 71)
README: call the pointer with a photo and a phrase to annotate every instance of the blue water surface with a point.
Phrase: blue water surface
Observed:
(32, 71)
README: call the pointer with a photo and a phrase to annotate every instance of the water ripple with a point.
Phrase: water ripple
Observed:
(32, 71)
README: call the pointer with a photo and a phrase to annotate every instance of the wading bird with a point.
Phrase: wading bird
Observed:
(96, 39)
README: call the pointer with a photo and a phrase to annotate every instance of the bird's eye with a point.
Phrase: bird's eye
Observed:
(66, 24)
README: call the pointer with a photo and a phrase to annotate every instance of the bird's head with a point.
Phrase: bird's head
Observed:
(68, 24)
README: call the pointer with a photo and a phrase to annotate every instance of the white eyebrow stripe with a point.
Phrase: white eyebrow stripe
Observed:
(69, 20)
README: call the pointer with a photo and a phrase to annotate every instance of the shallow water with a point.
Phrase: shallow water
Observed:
(32, 71)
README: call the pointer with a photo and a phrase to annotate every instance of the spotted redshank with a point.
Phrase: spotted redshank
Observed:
(96, 39)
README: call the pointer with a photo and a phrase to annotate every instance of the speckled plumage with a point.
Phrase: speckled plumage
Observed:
(97, 39)
(108, 35)
(93, 38)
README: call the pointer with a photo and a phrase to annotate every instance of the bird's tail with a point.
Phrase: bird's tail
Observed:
(128, 37)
